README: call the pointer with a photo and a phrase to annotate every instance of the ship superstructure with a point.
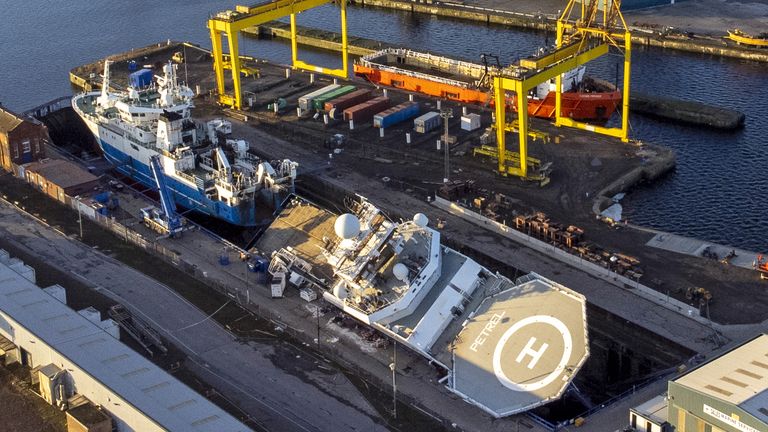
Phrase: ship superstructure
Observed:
(507, 346)
(205, 170)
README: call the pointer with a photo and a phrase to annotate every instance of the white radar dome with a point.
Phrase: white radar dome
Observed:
(420, 219)
(400, 271)
(347, 226)
(340, 291)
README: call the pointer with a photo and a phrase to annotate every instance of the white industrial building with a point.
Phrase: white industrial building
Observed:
(75, 355)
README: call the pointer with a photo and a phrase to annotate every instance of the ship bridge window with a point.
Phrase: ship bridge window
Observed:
(135, 147)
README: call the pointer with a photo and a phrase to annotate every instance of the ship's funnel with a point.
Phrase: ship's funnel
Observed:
(347, 226)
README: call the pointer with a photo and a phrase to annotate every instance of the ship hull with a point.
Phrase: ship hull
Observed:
(598, 106)
(128, 161)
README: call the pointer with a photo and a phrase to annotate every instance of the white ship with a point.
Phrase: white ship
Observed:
(507, 345)
(204, 170)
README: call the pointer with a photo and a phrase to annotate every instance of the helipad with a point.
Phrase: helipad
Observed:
(521, 348)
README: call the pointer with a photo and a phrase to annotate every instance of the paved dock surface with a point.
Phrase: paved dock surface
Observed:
(712, 17)
(278, 400)
(624, 303)
(695, 247)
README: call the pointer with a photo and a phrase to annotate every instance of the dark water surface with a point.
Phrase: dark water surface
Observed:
(718, 191)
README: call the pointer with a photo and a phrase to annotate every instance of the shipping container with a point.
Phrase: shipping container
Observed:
(335, 108)
(470, 122)
(396, 114)
(365, 111)
(141, 78)
(305, 102)
(427, 122)
(319, 102)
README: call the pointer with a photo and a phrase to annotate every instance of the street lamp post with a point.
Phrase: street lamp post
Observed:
(317, 312)
(79, 216)
(446, 114)
(393, 368)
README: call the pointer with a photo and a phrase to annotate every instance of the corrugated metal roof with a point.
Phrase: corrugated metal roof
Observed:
(9, 120)
(739, 377)
(143, 385)
(61, 172)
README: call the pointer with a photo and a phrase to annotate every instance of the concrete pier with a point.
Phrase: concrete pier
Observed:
(690, 112)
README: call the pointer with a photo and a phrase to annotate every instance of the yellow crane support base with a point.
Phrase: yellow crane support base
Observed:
(536, 171)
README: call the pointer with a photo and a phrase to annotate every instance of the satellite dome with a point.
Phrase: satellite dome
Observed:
(420, 219)
(401, 272)
(340, 291)
(347, 226)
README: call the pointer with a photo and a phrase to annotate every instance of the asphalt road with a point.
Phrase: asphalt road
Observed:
(299, 394)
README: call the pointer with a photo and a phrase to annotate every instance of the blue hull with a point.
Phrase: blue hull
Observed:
(185, 196)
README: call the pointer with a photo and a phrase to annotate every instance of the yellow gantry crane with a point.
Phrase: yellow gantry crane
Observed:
(229, 23)
(598, 26)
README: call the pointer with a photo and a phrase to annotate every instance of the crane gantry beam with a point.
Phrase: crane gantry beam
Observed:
(579, 41)
(230, 23)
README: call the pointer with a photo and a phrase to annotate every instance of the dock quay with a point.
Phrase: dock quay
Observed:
(677, 110)
(538, 16)
(398, 175)
(690, 112)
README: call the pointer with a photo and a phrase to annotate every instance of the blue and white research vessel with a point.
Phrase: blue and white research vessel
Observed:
(205, 171)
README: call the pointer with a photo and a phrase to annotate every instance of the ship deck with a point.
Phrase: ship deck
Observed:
(302, 227)
(520, 348)
(431, 66)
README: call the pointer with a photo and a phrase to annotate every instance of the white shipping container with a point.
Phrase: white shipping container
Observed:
(470, 122)
(426, 122)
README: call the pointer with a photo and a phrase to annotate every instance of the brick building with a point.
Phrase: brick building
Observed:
(22, 140)
(57, 178)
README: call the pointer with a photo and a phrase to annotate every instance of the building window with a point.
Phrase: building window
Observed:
(15, 152)
(26, 147)
(37, 146)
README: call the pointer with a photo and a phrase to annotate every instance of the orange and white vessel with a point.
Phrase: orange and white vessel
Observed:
(583, 98)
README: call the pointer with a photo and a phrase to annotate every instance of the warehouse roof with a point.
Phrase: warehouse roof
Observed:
(9, 120)
(739, 377)
(140, 383)
(61, 172)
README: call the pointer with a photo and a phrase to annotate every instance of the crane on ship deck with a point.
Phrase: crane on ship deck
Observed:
(586, 30)
(166, 219)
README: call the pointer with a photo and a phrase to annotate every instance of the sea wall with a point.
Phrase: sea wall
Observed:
(661, 160)
(680, 42)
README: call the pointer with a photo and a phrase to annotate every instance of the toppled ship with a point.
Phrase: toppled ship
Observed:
(204, 169)
(583, 98)
(507, 346)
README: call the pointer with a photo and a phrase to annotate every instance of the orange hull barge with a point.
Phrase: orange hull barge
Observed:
(467, 82)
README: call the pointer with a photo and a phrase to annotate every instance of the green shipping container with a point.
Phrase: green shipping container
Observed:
(319, 102)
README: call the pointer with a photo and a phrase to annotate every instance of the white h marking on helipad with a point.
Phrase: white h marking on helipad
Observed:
(529, 351)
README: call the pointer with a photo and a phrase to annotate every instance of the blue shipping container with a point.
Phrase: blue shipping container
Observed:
(396, 114)
(141, 78)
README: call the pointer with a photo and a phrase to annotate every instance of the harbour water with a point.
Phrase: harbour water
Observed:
(716, 192)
